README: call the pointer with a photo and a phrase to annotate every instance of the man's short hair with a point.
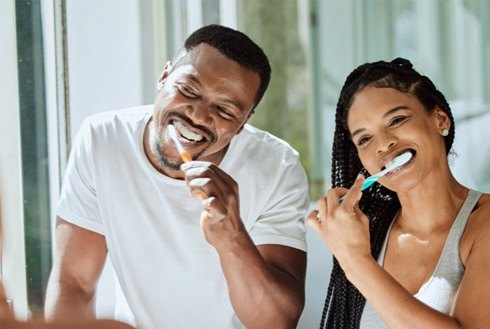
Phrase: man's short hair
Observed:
(236, 46)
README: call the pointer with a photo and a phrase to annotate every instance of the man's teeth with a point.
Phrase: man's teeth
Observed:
(186, 133)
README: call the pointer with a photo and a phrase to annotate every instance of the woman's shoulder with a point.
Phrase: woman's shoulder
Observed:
(477, 228)
(480, 216)
(482, 207)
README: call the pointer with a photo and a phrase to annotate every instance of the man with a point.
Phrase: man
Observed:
(234, 259)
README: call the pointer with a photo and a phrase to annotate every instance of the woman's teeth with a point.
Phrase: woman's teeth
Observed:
(186, 133)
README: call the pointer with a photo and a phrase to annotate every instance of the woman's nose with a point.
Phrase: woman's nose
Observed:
(386, 141)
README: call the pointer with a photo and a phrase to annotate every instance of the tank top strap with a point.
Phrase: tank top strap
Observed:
(449, 268)
(450, 259)
(459, 224)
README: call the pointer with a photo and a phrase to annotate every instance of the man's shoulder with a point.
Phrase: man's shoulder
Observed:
(114, 125)
(127, 115)
(266, 144)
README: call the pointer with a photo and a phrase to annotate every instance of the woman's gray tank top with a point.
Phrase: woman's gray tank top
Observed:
(439, 290)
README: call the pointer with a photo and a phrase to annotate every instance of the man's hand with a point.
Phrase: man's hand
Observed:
(220, 219)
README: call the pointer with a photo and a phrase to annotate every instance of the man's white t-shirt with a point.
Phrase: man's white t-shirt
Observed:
(169, 274)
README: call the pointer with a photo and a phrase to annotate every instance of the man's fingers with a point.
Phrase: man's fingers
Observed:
(199, 188)
(213, 211)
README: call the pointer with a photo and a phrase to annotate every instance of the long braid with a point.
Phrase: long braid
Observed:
(344, 304)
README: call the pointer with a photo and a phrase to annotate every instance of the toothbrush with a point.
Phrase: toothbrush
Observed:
(186, 157)
(398, 161)
(395, 163)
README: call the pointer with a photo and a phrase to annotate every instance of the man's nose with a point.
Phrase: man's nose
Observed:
(201, 113)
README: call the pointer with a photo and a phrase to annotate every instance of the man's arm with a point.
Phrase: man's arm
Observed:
(265, 282)
(79, 259)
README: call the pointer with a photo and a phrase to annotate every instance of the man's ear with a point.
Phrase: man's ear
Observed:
(248, 118)
(164, 75)
(442, 119)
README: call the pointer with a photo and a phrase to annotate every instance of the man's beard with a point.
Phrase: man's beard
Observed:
(160, 157)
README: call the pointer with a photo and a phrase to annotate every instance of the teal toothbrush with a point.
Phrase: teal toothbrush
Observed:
(395, 163)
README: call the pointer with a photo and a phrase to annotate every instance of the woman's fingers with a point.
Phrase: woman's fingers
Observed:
(314, 220)
(352, 197)
(328, 206)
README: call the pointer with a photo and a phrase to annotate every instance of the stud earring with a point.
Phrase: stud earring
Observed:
(445, 132)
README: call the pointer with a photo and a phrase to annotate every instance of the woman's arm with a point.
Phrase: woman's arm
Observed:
(345, 229)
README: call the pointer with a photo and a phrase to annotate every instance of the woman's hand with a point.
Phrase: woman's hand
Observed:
(342, 225)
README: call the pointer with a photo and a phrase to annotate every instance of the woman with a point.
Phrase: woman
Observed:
(416, 244)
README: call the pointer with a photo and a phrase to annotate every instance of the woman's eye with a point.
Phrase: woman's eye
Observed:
(362, 141)
(397, 120)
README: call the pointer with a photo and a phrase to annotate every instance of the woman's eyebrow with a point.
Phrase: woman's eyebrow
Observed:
(387, 114)
(395, 109)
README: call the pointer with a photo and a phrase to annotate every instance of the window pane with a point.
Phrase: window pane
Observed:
(210, 12)
(284, 110)
(34, 152)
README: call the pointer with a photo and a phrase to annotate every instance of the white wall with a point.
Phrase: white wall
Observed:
(106, 56)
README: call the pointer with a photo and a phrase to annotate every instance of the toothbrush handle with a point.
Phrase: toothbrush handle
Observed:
(186, 157)
(367, 183)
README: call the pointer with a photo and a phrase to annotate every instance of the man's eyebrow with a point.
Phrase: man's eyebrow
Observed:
(194, 78)
(233, 103)
(387, 114)
(230, 101)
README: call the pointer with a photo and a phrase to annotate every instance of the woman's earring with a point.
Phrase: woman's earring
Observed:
(445, 132)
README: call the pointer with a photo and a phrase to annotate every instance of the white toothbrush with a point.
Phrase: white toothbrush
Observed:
(398, 161)
(186, 157)
(395, 163)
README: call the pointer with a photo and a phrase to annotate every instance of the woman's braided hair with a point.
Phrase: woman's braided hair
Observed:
(344, 304)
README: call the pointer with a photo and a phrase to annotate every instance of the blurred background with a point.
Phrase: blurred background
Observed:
(62, 60)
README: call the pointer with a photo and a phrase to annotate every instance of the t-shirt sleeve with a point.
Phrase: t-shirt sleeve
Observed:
(78, 200)
(283, 221)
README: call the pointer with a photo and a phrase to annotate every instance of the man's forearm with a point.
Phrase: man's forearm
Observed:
(66, 302)
(262, 296)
